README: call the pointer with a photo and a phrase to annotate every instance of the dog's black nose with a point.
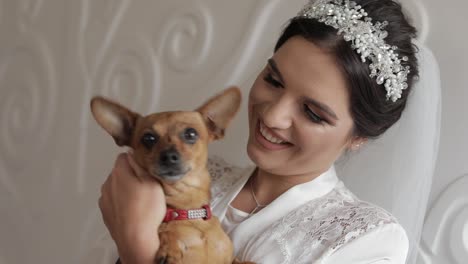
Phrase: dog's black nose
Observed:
(169, 157)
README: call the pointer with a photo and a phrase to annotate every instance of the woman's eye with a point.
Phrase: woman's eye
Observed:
(313, 116)
(269, 79)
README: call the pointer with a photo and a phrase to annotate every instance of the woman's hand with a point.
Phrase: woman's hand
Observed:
(133, 206)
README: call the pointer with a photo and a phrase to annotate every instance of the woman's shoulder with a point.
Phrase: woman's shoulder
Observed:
(346, 202)
(355, 215)
(355, 218)
(368, 231)
(326, 225)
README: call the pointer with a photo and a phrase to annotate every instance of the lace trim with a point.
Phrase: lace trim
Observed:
(313, 231)
(321, 227)
(223, 176)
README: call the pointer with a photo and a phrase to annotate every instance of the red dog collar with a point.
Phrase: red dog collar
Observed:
(181, 214)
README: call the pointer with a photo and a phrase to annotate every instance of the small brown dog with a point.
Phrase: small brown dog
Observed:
(173, 148)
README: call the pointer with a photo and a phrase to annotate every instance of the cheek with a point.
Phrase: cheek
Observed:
(311, 137)
(325, 141)
(317, 138)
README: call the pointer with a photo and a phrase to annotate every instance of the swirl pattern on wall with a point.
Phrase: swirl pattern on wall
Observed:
(115, 64)
(445, 234)
(27, 80)
(98, 24)
(131, 77)
(96, 244)
(28, 12)
(187, 37)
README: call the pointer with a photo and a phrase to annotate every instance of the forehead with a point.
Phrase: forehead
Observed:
(164, 121)
(313, 72)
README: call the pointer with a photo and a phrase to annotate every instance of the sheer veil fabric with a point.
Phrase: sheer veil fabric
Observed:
(396, 170)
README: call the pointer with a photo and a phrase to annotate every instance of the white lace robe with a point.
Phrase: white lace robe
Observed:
(316, 222)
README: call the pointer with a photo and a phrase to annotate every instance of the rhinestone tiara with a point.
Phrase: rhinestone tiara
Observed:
(366, 38)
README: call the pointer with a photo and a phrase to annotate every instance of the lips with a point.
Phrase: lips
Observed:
(267, 144)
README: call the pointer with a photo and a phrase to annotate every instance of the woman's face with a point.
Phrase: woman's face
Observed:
(300, 102)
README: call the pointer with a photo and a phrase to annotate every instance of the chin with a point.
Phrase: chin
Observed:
(258, 157)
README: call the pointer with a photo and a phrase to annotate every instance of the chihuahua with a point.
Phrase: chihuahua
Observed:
(173, 148)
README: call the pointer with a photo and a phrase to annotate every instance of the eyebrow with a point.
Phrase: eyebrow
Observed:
(274, 67)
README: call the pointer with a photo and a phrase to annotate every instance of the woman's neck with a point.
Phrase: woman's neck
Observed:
(267, 186)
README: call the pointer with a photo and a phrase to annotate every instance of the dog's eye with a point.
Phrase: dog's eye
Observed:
(190, 135)
(148, 140)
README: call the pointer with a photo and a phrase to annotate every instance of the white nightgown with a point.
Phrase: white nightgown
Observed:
(320, 221)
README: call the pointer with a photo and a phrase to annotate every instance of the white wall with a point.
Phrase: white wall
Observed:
(55, 54)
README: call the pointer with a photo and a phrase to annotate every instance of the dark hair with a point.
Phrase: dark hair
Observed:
(372, 113)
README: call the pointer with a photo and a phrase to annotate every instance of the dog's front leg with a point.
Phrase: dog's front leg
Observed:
(169, 251)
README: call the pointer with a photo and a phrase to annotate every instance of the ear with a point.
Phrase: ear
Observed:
(219, 110)
(356, 143)
(117, 120)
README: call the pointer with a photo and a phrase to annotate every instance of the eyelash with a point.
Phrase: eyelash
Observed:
(313, 116)
(310, 114)
(269, 79)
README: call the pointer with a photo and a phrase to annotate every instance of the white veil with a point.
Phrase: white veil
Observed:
(395, 171)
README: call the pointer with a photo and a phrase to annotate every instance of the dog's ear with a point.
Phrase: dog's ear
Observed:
(219, 110)
(117, 120)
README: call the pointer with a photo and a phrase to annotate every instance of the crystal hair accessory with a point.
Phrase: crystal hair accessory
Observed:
(366, 38)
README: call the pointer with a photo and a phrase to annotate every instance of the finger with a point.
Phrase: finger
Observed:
(106, 195)
(106, 212)
(137, 169)
(104, 205)
(100, 203)
(122, 170)
(121, 163)
(106, 184)
(102, 209)
(103, 188)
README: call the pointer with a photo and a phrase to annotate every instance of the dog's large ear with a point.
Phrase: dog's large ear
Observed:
(116, 119)
(219, 110)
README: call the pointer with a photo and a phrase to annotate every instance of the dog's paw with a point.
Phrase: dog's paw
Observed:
(162, 260)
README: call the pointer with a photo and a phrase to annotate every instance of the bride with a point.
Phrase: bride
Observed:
(340, 76)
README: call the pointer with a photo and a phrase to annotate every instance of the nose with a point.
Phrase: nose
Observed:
(278, 114)
(169, 157)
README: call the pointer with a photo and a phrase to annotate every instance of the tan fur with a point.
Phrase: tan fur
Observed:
(182, 241)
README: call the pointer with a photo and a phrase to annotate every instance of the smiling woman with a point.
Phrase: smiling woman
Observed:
(296, 98)
(317, 98)
(340, 75)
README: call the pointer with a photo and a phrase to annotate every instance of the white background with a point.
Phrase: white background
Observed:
(166, 55)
